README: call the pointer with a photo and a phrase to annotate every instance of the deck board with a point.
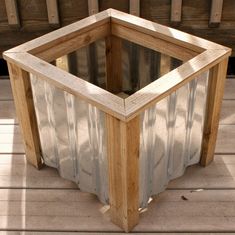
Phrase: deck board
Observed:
(43, 203)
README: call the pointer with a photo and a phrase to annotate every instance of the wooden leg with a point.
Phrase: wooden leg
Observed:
(23, 98)
(113, 64)
(123, 160)
(214, 102)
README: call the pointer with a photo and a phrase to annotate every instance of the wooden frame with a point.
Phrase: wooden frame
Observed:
(122, 115)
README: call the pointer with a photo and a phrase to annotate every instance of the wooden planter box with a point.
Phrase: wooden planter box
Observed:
(139, 142)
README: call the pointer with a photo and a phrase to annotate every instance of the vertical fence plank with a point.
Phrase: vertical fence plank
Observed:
(216, 12)
(134, 7)
(214, 101)
(176, 11)
(23, 98)
(12, 13)
(123, 157)
(93, 7)
(53, 13)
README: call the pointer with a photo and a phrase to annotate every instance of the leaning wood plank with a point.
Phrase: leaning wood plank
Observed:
(123, 161)
(53, 13)
(23, 98)
(113, 64)
(172, 81)
(92, 94)
(12, 13)
(93, 7)
(214, 102)
(134, 7)
(216, 12)
(176, 8)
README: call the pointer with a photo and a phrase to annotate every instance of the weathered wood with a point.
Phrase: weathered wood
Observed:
(176, 8)
(152, 42)
(53, 13)
(101, 98)
(93, 7)
(113, 64)
(21, 87)
(134, 7)
(216, 12)
(214, 101)
(123, 160)
(172, 81)
(12, 13)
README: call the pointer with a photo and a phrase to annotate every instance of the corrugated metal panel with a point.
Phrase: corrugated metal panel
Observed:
(73, 134)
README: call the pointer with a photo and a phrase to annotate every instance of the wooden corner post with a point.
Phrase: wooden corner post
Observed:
(215, 93)
(23, 98)
(123, 160)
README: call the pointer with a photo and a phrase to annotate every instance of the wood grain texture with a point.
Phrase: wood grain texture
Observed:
(152, 42)
(113, 64)
(123, 160)
(92, 94)
(134, 7)
(93, 7)
(176, 8)
(53, 12)
(172, 81)
(215, 93)
(216, 12)
(12, 13)
(23, 98)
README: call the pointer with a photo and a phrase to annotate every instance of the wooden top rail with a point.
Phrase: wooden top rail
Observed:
(200, 54)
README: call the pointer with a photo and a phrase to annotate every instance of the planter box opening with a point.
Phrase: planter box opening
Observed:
(118, 104)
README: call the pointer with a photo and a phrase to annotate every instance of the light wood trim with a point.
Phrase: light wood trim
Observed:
(134, 7)
(73, 44)
(113, 64)
(53, 12)
(163, 32)
(93, 7)
(23, 98)
(172, 81)
(92, 94)
(63, 34)
(176, 10)
(216, 12)
(12, 13)
(214, 102)
(123, 160)
(152, 42)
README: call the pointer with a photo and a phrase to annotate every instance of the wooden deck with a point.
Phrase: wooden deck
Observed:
(40, 202)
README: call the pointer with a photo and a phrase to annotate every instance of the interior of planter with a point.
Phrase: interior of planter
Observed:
(140, 65)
